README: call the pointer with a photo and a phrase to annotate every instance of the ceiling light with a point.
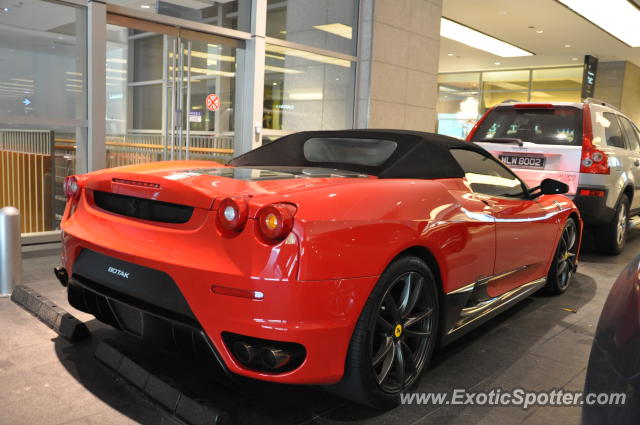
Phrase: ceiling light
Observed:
(341, 30)
(567, 45)
(5, 9)
(617, 17)
(496, 63)
(145, 6)
(282, 70)
(574, 59)
(539, 31)
(449, 54)
(306, 96)
(470, 37)
(314, 57)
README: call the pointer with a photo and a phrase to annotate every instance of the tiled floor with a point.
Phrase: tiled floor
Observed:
(536, 345)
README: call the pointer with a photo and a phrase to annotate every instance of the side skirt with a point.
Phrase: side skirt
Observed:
(463, 318)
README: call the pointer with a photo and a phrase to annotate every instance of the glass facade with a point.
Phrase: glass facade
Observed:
(43, 107)
(172, 90)
(157, 89)
(330, 25)
(309, 84)
(234, 14)
(464, 97)
(305, 90)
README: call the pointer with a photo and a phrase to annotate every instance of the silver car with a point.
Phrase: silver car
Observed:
(590, 146)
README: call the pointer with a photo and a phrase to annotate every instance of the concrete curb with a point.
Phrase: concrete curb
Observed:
(187, 409)
(58, 319)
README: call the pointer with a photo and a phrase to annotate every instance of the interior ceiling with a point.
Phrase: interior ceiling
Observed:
(510, 21)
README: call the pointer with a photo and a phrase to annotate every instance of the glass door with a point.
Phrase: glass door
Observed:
(170, 93)
(202, 124)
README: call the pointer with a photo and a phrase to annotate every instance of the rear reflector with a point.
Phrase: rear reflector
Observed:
(591, 192)
(235, 292)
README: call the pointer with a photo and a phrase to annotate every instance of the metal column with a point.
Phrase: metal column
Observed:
(10, 251)
(250, 82)
(96, 151)
(188, 105)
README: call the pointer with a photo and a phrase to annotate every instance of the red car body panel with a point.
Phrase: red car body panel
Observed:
(316, 281)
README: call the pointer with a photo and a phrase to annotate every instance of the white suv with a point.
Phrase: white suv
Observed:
(590, 146)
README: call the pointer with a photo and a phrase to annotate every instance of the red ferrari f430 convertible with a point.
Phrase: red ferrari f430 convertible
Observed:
(339, 258)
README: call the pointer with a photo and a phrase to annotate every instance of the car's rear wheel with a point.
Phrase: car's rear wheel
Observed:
(564, 261)
(395, 336)
(611, 237)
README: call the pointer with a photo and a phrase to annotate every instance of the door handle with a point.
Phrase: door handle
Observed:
(636, 162)
(487, 202)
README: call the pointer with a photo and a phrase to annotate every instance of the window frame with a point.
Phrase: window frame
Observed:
(630, 145)
(622, 132)
(525, 189)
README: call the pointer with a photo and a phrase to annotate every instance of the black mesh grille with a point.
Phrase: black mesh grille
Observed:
(145, 209)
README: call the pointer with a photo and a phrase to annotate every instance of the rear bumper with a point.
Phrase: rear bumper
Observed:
(319, 315)
(151, 323)
(594, 209)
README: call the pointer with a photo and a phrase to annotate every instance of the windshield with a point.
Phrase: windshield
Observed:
(560, 125)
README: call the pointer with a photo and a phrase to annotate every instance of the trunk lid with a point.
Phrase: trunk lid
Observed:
(197, 185)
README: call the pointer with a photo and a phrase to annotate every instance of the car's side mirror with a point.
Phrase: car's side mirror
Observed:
(550, 187)
(553, 187)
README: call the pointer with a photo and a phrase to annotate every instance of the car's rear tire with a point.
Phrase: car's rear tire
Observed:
(399, 322)
(564, 260)
(611, 237)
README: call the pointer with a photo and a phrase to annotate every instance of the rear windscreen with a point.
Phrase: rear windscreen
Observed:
(550, 126)
(369, 152)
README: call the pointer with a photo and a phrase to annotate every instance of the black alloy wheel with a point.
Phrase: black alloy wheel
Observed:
(402, 333)
(395, 336)
(564, 262)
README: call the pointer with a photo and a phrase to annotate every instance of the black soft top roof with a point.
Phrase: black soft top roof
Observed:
(418, 155)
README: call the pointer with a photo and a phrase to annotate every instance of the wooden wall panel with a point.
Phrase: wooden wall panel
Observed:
(25, 183)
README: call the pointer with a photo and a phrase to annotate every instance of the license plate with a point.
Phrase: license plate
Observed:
(523, 161)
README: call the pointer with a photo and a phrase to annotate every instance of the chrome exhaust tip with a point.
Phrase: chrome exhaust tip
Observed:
(274, 358)
(244, 352)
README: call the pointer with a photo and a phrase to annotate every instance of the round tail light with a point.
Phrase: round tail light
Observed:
(72, 187)
(275, 221)
(232, 214)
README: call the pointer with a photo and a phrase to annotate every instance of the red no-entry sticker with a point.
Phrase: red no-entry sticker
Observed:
(213, 102)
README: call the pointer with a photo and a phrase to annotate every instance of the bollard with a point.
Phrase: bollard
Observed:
(10, 250)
